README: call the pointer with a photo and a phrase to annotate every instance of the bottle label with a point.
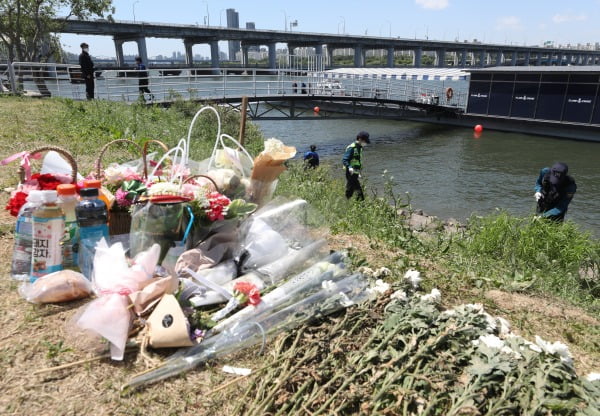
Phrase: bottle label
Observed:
(88, 237)
(46, 256)
(70, 244)
(24, 226)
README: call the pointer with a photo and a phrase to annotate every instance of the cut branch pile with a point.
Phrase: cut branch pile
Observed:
(406, 356)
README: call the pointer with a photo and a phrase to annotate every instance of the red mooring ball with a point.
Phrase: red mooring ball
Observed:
(316, 109)
(478, 128)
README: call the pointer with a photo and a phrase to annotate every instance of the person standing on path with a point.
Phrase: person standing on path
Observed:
(311, 158)
(87, 70)
(352, 162)
(143, 78)
(554, 190)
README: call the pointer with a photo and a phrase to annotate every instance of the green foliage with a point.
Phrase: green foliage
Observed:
(55, 348)
(376, 217)
(530, 254)
(407, 357)
(26, 25)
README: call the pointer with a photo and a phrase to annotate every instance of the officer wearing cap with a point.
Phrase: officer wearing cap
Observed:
(554, 190)
(87, 70)
(352, 162)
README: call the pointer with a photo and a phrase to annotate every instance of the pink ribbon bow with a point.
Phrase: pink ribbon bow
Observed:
(25, 156)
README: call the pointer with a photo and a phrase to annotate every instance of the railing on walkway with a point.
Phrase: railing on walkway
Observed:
(59, 80)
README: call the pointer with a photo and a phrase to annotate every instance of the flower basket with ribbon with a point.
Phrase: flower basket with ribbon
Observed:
(55, 171)
(126, 181)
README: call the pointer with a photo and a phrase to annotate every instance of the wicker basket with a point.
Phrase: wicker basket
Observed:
(189, 178)
(57, 149)
(120, 218)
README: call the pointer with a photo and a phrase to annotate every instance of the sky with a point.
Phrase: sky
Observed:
(520, 22)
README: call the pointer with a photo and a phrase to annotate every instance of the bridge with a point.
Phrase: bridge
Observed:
(445, 53)
(283, 94)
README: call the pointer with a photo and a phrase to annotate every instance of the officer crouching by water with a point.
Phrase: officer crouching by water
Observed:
(554, 190)
(352, 162)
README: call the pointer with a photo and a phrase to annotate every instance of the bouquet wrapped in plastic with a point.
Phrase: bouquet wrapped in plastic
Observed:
(331, 297)
(114, 281)
(268, 165)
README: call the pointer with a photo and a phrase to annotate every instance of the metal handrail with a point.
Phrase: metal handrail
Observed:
(62, 80)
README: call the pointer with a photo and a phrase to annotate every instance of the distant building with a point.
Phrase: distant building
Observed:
(233, 21)
(253, 48)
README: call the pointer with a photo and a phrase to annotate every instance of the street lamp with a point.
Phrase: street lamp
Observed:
(343, 25)
(390, 23)
(133, 7)
(221, 15)
(285, 20)
(207, 20)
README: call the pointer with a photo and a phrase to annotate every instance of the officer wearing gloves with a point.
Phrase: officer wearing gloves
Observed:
(352, 162)
(554, 190)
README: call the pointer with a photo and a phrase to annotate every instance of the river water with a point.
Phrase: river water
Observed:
(450, 173)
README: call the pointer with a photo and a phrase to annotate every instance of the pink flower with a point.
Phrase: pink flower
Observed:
(121, 197)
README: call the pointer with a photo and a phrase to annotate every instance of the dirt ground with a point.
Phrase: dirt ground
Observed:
(35, 338)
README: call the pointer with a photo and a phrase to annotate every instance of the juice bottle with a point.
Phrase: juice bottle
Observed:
(48, 230)
(103, 195)
(92, 219)
(67, 200)
(20, 267)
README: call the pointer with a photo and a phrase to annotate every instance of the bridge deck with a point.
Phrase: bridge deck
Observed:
(287, 93)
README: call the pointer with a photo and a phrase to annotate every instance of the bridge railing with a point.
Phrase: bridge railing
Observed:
(61, 80)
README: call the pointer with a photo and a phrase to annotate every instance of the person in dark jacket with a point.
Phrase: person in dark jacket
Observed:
(554, 190)
(352, 162)
(87, 70)
(311, 158)
(143, 78)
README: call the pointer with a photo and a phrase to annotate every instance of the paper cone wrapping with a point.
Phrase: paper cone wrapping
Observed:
(168, 326)
(268, 165)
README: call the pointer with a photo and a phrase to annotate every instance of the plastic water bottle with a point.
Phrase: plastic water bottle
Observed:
(92, 219)
(48, 231)
(21, 259)
(68, 200)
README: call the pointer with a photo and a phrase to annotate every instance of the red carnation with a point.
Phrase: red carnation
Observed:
(16, 202)
(250, 292)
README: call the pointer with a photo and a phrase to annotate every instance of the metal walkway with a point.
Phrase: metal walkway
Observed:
(283, 93)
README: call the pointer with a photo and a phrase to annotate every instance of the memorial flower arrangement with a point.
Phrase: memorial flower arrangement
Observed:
(38, 181)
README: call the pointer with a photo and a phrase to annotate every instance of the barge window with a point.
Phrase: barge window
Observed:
(524, 100)
(500, 98)
(477, 76)
(550, 101)
(579, 103)
(527, 77)
(504, 77)
(584, 78)
(555, 77)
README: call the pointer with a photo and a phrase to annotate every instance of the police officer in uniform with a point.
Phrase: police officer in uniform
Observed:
(352, 162)
(554, 190)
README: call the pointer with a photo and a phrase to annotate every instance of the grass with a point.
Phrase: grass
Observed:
(499, 251)
(543, 277)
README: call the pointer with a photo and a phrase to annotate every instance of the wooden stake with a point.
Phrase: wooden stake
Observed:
(243, 119)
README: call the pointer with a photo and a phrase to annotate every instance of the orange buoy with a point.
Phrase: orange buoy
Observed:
(478, 128)
(316, 109)
(449, 93)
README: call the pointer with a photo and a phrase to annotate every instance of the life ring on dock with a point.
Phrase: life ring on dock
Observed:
(449, 93)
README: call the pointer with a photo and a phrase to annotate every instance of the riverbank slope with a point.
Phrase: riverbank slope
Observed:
(543, 279)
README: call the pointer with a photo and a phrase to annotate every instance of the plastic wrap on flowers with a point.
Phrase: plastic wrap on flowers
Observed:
(279, 227)
(268, 165)
(332, 297)
(157, 223)
(114, 280)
